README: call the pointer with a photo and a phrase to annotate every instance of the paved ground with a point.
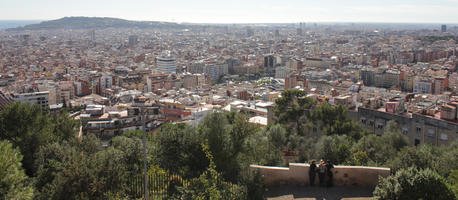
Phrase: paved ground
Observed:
(320, 193)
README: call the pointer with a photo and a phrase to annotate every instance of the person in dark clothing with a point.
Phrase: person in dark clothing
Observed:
(322, 172)
(312, 173)
(329, 173)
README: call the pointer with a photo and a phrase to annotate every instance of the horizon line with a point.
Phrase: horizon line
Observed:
(228, 23)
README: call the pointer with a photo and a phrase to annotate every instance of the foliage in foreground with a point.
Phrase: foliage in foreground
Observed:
(13, 181)
(211, 185)
(414, 184)
(28, 127)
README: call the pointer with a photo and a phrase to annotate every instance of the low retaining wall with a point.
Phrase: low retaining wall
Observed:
(297, 173)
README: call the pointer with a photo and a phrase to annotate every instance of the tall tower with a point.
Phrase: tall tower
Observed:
(133, 40)
(277, 33)
(249, 31)
(93, 35)
(443, 28)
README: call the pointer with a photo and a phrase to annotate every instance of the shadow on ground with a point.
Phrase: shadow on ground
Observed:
(319, 193)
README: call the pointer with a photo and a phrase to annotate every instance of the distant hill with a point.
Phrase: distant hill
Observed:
(96, 23)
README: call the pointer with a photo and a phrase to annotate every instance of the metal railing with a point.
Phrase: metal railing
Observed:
(160, 186)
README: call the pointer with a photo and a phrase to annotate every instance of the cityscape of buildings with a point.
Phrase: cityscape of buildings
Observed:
(121, 78)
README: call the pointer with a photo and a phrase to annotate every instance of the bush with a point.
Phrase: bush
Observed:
(453, 180)
(255, 186)
(336, 148)
(412, 184)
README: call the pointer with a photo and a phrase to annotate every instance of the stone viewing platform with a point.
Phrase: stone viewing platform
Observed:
(297, 173)
(290, 192)
(293, 182)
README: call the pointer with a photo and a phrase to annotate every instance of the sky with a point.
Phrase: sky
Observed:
(238, 11)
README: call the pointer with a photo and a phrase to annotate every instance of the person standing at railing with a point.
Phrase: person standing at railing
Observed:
(312, 173)
(322, 173)
(329, 173)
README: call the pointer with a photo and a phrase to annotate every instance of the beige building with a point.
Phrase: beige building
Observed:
(387, 79)
(420, 129)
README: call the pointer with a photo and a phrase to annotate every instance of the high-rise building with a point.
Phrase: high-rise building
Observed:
(166, 64)
(439, 85)
(249, 31)
(423, 85)
(215, 71)
(299, 31)
(232, 63)
(290, 81)
(281, 72)
(93, 35)
(269, 61)
(133, 40)
(443, 28)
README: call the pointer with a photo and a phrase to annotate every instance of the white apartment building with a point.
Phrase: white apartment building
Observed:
(166, 64)
(40, 98)
(216, 70)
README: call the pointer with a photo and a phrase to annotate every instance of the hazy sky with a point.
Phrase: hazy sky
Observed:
(238, 11)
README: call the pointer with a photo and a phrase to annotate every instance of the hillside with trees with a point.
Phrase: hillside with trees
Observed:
(44, 156)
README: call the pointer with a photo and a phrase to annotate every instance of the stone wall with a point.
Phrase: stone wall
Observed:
(297, 173)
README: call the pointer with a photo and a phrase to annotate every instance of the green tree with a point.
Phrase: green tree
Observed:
(446, 161)
(215, 129)
(453, 179)
(413, 184)
(333, 120)
(66, 171)
(254, 183)
(28, 127)
(393, 136)
(336, 148)
(292, 108)
(13, 181)
(210, 185)
(421, 157)
(228, 142)
(359, 158)
(177, 149)
(261, 151)
(64, 128)
(381, 149)
(241, 130)
(132, 149)
(277, 136)
(441, 159)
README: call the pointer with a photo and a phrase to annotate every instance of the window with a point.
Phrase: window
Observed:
(444, 137)
(419, 130)
(380, 126)
(314, 130)
(363, 121)
(371, 123)
(431, 132)
(405, 131)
